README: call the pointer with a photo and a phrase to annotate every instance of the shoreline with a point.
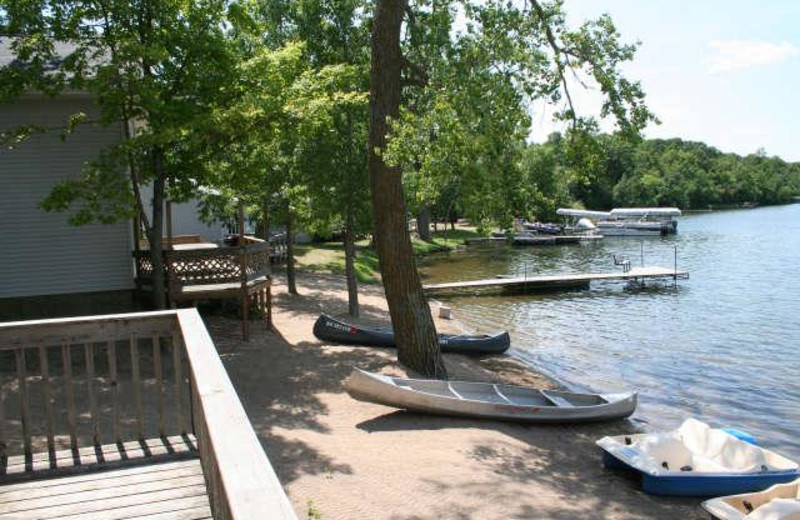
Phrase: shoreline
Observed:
(342, 459)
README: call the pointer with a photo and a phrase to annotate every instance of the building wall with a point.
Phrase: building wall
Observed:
(40, 253)
(185, 218)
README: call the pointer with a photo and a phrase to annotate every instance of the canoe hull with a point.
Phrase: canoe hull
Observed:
(330, 329)
(373, 388)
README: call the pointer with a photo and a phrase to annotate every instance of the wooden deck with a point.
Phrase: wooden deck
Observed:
(176, 441)
(554, 282)
(165, 491)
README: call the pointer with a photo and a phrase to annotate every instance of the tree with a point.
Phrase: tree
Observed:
(332, 164)
(156, 67)
(418, 346)
(509, 54)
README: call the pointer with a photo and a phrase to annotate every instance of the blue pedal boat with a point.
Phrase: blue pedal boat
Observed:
(697, 460)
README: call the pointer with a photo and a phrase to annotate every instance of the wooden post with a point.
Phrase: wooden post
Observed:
(47, 394)
(112, 368)
(159, 384)
(72, 420)
(89, 351)
(177, 347)
(23, 399)
(137, 386)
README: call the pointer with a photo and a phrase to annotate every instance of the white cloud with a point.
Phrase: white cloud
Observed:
(743, 54)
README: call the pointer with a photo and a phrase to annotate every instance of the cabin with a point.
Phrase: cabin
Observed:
(50, 268)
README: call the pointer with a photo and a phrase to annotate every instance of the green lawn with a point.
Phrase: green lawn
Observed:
(328, 257)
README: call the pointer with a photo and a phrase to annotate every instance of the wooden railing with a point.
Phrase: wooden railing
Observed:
(206, 266)
(78, 382)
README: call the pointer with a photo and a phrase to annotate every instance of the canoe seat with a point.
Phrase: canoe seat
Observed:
(558, 400)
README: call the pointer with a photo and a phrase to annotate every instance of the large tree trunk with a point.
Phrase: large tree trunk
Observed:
(424, 224)
(417, 344)
(290, 281)
(350, 264)
(265, 219)
(156, 231)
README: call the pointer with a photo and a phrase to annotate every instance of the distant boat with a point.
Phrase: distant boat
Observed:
(331, 329)
(487, 400)
(629, 221)
(781, 501)
(696, 460)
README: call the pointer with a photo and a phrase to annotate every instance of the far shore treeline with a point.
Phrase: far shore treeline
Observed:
(607, 171)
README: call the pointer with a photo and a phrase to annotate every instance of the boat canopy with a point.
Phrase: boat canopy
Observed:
(582, 213)
(641, 212)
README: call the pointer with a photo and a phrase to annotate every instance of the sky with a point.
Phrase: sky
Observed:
(723, 72)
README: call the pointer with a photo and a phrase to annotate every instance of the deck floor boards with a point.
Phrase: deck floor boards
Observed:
(160, 491)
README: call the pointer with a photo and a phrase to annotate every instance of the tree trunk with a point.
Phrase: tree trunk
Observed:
(350, 264)
(290, 281)
(240, 222)
(417, 344)
(424, 224)
(157, 231)
(265, 218)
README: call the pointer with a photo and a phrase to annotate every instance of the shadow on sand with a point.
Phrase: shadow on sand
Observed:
(282, 379)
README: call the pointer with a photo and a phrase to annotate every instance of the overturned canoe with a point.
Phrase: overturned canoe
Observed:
(697, 460)
(487, 400)
(778, 502)
(330, 329)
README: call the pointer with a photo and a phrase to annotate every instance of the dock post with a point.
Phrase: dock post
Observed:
(675, 269)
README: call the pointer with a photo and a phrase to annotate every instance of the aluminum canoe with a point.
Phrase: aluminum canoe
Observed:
(487, 400)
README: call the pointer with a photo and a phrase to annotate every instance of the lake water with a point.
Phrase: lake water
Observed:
(724, 346)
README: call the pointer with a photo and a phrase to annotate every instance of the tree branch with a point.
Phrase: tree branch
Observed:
(418, 77)
(558, 52)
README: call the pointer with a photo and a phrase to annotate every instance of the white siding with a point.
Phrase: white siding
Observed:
(40, 253)
(185, 218)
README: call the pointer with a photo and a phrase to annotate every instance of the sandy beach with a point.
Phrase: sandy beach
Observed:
(341, 459)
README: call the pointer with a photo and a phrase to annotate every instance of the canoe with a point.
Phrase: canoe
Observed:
(331, 329)
(487, 400)
(781, 501)
(697, 460)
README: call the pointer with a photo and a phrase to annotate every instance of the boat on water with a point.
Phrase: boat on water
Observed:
(629, 221)
(543, 228)
(331, 329)
(487, 400)
(779, 502)
(697, 460)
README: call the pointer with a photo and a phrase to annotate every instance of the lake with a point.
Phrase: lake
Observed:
(723, 346)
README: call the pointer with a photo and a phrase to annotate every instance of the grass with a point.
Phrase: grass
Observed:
(328, 257)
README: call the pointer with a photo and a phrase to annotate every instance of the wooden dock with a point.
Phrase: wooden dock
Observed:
(554, 240)
(555, 282)
(535, 240)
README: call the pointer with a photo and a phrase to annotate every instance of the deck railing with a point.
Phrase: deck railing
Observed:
(79, 382)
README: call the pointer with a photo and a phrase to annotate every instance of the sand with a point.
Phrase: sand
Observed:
(341, 459)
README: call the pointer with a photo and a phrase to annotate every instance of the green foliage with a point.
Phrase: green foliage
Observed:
(604, 171)
(460, 138)
(161, 66)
